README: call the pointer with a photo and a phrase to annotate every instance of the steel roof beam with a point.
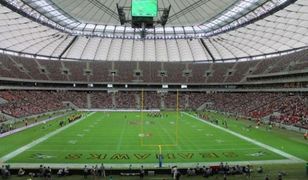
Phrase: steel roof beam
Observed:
(207, 49)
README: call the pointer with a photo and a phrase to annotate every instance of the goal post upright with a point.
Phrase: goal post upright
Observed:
(177, 117)
(160, 149)
(142, 114)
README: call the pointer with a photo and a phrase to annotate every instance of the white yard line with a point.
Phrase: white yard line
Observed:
(38, 141)
(121, 136)
(270, 148)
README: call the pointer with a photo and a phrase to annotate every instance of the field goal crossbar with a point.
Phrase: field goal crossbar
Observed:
(142, 124)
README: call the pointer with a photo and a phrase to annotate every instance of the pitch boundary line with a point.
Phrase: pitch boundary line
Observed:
(270, 148)
(39, 140)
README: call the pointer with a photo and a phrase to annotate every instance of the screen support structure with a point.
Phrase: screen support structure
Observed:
(142, 22)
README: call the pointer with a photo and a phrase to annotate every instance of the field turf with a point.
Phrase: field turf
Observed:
(119, 138)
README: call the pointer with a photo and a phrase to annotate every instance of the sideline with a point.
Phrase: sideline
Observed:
(40, 140)
(277, 151)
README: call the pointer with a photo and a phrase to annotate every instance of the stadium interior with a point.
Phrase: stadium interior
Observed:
(154, 89)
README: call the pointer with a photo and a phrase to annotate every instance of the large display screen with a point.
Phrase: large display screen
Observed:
(144, 8)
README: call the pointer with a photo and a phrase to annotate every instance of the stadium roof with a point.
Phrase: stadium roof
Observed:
(80, 14)
(197, 30)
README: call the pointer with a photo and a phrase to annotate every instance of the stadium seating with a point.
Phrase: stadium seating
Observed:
(79, 99)
(199, 72)
(150, 72)
(101, 100)
(54, 70)
(125, 72)
(76, 71)
(240, 70)
(177, 72)
(152, 100)
(282, 107)
(146, 72)
(219, 72)
(100, 71)
(126, 100)
(2, 118)
(26, 103)
(291, 109)
(31, 64)
(10, 69)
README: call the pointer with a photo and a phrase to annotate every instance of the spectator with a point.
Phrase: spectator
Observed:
(260, 169)
(66, 171)
(102, 170)
(48, 172)
(142, 172)
(177, 175)
(279, 176)
(5, 171)
(174, 172)
(60, 172)
(21, 172)
(85, 172)
(189, 173)
(267, 177)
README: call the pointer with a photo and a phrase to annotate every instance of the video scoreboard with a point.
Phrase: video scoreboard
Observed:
(144, 8)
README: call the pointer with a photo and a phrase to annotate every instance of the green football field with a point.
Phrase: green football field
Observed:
(125, 138)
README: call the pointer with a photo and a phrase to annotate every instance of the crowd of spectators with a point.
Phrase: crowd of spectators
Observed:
(292, 110)
(78, 98)
(94, 171)
(126, 100)
(287, 108)
(2, 118)
(102, 100)
(223, 169)
(100, 171)
(26, 103)
(5, 128)
(151, 100)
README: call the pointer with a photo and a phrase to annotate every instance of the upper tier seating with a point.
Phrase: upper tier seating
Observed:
(146, 72)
